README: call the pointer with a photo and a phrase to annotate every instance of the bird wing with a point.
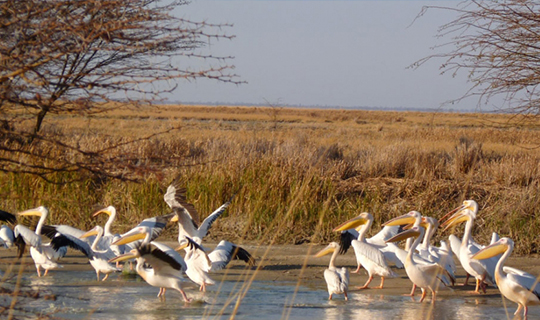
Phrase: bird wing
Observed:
(346, 238)
(29, 236)
(435, 271)
(170, 252)
(51, 232)
(524, 279)
(7, 237)
(160, 261)
(370, 252)
(156, 224)
(64, 240)
(176, 198)
(455, 244)
(7, 217)
(225, 251)
(207, 223)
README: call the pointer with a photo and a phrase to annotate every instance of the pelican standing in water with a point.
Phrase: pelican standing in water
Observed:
(198, 263)
(165, 272)
(44, 255)
(425, 276)
(337, 279)
(516, 285)
(367, 255)
(482, 270)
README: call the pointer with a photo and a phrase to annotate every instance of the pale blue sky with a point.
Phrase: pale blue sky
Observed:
(327, 53)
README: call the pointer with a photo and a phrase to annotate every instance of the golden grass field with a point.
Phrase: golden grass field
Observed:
(298, 173)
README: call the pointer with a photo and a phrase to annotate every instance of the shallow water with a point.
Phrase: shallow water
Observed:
(82, 297)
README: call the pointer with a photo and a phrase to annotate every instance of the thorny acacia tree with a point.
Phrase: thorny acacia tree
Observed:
(498, 44)
(78, 56)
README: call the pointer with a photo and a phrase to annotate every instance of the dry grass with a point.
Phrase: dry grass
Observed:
(293, 167)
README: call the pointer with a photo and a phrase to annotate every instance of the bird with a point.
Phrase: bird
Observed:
(109, 237)
(337, 279)
(7, 237)
(226, 251)
(425, 276)
(149, 229)
(482, 270)
(187, 217)
(165, 272)
(97, 258)
(367, 255)
(198, 263)
(44, 255)
(516, 285)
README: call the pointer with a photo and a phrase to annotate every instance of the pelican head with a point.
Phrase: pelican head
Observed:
(94, 232)
(413, 232)
(470, 205)
(110, 210)
(407, 218)
(467, 211)
(356, 222)
(135, 234)
(333, 246)
(39, 211)
(494, 249)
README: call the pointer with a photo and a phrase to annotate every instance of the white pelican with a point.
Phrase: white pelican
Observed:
(150, 228)
(337, 279)
(97, 258)
(165, 272)
(483, 270)
(198, 263)
(367, 255)
(108, 236)
(187, 216)
(226, 251)
(516, 285)
(425, 276)
(7, 237)
(44, 255)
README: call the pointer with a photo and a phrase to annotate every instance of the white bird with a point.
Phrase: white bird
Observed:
(165, 272)
(484, 270)
(367, 255)
(108, 236)
(226, 251)
(187, 217)
(44, 255)
(198, 263)
(7, 237)
(337, 279)
(97, 258)
(516, 285)
(425, 276)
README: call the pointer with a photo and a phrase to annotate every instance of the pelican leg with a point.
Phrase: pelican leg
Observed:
(330, 296)
(38, 271)
(382, 284)
(433, 296)
(413, 289)
(525, 312)
(346, 297)
(203, 287)
(46, 271)
(184, 296)
(467, 279)
(477, 286)
(97, 274)
(160, 292)
(365, 286)
(518, 309)
(106, 276)
(357, 269)
(424, 292)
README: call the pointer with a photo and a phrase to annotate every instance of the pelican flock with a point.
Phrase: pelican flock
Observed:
(429, 267)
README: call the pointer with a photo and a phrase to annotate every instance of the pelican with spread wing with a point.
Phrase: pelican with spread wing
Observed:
(44, 255)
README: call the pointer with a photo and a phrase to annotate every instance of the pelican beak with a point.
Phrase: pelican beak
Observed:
(401, 220)
(490, 251)
(325, 251)
(456, 219)
(452, 213)
(90, 233)
(101, 211)
(123, 257)
(130, 237)
(405, 235)
(30, 212)
(424, 223)
(182, 246)
(174, 219)
(351, 224)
